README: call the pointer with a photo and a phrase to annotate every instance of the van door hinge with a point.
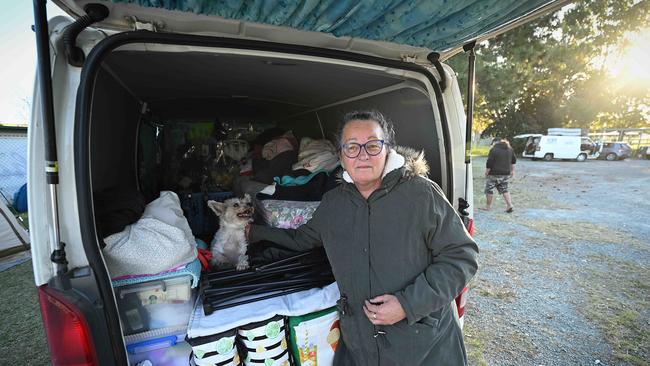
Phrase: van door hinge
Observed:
(144, 25)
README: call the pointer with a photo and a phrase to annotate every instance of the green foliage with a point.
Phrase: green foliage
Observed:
(547, 73)
(480, 150)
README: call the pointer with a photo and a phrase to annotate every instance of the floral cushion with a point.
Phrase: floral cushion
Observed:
(286, 214)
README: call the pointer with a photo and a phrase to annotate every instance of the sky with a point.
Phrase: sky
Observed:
(18, 59)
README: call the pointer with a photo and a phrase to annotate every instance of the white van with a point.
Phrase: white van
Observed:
(545, 147)
(118, 85)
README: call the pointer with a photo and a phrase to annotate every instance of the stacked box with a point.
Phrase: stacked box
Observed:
(156, 304)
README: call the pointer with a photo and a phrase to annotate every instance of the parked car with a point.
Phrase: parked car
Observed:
(144, 66)
(615, 151)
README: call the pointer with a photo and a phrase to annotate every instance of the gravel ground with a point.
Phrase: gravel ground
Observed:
(564, 279)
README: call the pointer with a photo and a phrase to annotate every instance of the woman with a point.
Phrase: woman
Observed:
(399, 252)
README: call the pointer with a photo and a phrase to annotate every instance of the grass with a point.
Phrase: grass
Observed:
(588, 231)
(23, 219)
(619, 304)
(480, 150)
(474, 345)
(22, 339)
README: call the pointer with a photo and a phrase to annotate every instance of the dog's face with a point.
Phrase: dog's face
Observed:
(233, 211)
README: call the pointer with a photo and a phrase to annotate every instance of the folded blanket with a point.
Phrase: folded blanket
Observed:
(193, 268)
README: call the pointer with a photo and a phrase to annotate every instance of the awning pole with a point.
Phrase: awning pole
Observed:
(47, 115)
(470, 118)
(471, 75)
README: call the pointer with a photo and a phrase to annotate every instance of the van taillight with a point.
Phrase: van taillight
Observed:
(461, 300)
(470, 226)
(68, 335)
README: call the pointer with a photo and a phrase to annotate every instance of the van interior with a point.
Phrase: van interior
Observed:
(163, 120)
(245, 93)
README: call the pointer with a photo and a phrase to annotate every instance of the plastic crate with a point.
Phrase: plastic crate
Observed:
(161, 347)
(155, 304)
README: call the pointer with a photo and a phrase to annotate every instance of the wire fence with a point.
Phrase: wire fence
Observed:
(636, 138)
(13, 163)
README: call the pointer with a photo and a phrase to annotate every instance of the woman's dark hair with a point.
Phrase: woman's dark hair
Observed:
(371, 115)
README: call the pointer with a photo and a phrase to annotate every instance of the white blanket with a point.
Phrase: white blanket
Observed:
(299, 303)
(161, 240)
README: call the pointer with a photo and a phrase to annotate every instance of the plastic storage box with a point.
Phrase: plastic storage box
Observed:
(161, 347)
(156, 304)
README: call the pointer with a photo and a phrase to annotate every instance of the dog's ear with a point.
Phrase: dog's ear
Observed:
(218, 207)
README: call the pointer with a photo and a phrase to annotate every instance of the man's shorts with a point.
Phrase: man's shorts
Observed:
(498, 181)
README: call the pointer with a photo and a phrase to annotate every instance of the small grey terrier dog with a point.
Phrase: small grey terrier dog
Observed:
(229, 243)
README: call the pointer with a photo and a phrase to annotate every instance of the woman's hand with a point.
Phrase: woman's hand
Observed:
(384, 310)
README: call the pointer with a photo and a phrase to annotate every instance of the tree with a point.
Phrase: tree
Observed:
(546, 73)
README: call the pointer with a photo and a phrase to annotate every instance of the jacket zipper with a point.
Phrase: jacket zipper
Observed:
(377, 332)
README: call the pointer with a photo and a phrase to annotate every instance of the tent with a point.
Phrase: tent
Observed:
(13, 174)
(13, 237)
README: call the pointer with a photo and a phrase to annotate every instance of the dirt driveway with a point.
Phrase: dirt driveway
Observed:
(565, 278)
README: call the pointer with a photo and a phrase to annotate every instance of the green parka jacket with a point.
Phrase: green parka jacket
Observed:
(406, 240)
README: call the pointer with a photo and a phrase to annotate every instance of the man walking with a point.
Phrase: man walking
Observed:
(499, 168)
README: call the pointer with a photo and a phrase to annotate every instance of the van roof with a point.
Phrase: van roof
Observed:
(397, 29)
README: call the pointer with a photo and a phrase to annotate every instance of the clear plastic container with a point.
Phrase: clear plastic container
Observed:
(155, 304)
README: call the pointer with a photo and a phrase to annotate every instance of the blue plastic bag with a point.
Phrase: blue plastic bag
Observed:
(20, 199)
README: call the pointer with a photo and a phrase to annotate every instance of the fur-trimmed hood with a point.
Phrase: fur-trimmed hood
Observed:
(413, 162)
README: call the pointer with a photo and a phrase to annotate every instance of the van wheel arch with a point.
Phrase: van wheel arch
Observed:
(548, 157)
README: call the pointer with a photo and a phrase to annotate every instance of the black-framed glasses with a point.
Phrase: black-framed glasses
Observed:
(353, 149)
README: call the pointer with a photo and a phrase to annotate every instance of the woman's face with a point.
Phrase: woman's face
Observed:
(364, 169)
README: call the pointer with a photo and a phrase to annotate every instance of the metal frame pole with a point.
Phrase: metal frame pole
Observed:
(471, 76)
(44, 73)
